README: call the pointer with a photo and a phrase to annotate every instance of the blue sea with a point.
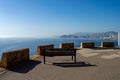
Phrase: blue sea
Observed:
(7, 44)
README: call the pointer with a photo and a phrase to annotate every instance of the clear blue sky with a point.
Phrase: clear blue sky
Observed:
(47, 18)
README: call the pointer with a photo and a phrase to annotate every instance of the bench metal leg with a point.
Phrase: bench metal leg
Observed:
(75, 58)
(72, 57)
(44, 58)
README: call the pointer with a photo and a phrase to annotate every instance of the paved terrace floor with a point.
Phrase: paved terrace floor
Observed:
(92, 64)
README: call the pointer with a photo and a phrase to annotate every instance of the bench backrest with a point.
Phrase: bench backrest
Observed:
(59, 52)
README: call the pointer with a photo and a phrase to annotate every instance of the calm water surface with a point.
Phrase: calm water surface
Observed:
(7, 44)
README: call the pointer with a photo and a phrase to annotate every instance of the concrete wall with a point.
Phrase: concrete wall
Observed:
(12, 58)
(87, 45)
(107, 44)
(41, 48)
(66, 45)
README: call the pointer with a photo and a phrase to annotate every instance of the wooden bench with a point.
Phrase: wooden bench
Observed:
(59, 52)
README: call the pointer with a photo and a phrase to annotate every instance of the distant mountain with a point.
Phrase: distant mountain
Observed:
(82, 33)
(102, 35)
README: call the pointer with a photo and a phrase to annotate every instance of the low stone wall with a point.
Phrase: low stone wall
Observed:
(107, 44)
(14, 57)
(66, 45)
(87, 45)
(41, 48)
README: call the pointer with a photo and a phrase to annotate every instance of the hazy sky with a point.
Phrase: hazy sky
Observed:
(47, 18)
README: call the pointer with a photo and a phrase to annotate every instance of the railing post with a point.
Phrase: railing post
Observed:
(44, 59)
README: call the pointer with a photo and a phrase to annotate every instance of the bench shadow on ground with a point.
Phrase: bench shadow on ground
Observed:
(72, 64)
(25, 66)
